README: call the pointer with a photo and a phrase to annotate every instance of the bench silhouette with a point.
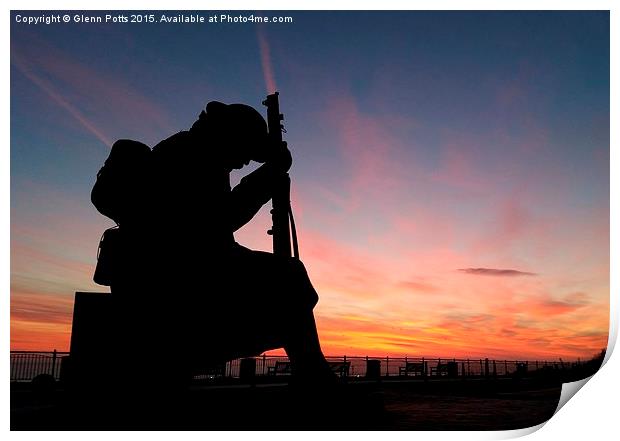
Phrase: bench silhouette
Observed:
(447, 369)
(413, 368)
(440, 370)
(281, 368)
(340, 368)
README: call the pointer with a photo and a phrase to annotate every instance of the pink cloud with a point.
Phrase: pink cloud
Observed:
(418, 286)
(457, 166)
(370, 152)
(359, 273)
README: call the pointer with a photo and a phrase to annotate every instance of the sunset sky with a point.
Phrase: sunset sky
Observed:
(450, 176)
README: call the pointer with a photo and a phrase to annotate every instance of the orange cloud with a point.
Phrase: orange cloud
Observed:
(467, 337)
(40, 321)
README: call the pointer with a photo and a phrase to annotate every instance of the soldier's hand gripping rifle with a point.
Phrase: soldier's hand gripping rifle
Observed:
(283, 224)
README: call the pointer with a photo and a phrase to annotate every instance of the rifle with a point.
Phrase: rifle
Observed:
(283, 224)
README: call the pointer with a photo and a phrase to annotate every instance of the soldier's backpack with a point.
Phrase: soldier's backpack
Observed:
(123, 181)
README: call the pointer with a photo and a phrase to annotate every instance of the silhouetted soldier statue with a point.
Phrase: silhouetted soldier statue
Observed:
(186, 294)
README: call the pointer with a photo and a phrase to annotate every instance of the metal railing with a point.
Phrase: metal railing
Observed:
(26, 365)
(434, 367)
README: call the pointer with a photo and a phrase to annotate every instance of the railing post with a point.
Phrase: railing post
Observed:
(387, 366)
(264, 362)
(30, 367)
(54, 364)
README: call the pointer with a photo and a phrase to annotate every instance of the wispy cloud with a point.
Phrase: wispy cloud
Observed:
(496, 272)
(106, 105)
(265, 58)
(58, 99)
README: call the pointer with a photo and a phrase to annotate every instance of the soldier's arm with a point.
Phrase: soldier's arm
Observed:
(255, 189)
(252, 192)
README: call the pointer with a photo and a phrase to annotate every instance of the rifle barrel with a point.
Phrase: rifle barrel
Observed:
(281, 199)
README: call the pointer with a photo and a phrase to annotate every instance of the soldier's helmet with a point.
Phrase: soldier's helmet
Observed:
(241, 126)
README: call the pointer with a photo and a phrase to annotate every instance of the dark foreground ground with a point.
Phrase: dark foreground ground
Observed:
(500, 404)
